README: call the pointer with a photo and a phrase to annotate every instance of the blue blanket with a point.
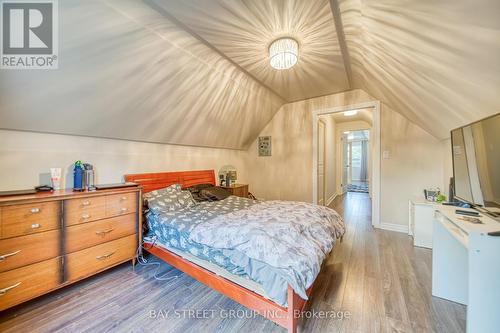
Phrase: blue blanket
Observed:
(292, 237)
(195, 230)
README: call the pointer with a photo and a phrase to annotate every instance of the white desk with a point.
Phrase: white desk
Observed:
(466, 267)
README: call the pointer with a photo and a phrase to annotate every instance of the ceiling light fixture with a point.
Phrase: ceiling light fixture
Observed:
(284, 53)
(350, 113)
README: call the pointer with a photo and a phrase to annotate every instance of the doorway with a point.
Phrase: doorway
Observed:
(356, 161)
(357, 144)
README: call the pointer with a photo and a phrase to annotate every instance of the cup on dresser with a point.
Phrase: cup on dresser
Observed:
(55, 177)
(88, 177)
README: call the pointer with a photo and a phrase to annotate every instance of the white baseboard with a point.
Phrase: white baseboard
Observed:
(394, 227)
(329, 201)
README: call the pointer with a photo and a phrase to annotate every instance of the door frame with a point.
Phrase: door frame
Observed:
(375, 159)
(324, 160)
(344, 145)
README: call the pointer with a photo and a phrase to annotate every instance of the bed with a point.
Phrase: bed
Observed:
(205, 260)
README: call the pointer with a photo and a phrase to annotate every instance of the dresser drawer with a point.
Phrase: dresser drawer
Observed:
(26, 219)
(82, 236)
(119, 204)
(27, 282)
(97, 258)
(83, 210)
(24, 250)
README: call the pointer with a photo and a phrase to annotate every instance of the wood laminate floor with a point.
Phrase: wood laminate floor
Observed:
(375, 278)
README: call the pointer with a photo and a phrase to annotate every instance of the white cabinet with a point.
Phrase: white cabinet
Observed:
(421, 215)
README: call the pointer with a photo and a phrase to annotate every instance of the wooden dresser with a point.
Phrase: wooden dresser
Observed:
(239, 190)
(49, 240)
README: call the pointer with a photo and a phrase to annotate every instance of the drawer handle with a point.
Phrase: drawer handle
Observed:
(104, 232)
(35, 226)
(105, 256)
(5, 290)
(123, 198)
(86, 203)
(85, 216)
(5, 256)
(124, 209)
(35, 210)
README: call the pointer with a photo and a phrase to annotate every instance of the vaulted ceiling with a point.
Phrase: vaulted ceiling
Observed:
(437, 63)
(127, 72)
(196, 72)
(243, 31)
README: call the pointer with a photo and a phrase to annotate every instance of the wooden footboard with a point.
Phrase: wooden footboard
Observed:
(285, 317)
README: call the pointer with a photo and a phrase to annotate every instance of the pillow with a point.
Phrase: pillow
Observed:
(169, 199)
(195, 191)
(214, 193)
(162, 191)
(185, 199)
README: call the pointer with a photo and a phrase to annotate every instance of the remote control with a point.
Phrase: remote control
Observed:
(475, 221)
(466, 212)
(494, 233)
(469, 219)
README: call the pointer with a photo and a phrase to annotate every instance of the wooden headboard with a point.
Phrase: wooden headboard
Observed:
(154, 181)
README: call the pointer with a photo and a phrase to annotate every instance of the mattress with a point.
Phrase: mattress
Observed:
(279, 243)
(172, 229)
(243, 281)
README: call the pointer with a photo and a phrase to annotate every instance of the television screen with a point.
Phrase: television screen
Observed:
(476, 162)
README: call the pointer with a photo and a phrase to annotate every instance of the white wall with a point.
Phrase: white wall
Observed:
(416, 160)
(415, 163)
(287, 173)
(26, 157)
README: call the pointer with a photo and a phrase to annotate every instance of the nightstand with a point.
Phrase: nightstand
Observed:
(239, 190)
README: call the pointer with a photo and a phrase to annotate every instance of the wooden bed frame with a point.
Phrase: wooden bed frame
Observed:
(285, 317)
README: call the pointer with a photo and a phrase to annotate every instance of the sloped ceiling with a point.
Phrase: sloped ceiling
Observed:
(127, 72)
(436, 62)
(196, 72)
(243, 31)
